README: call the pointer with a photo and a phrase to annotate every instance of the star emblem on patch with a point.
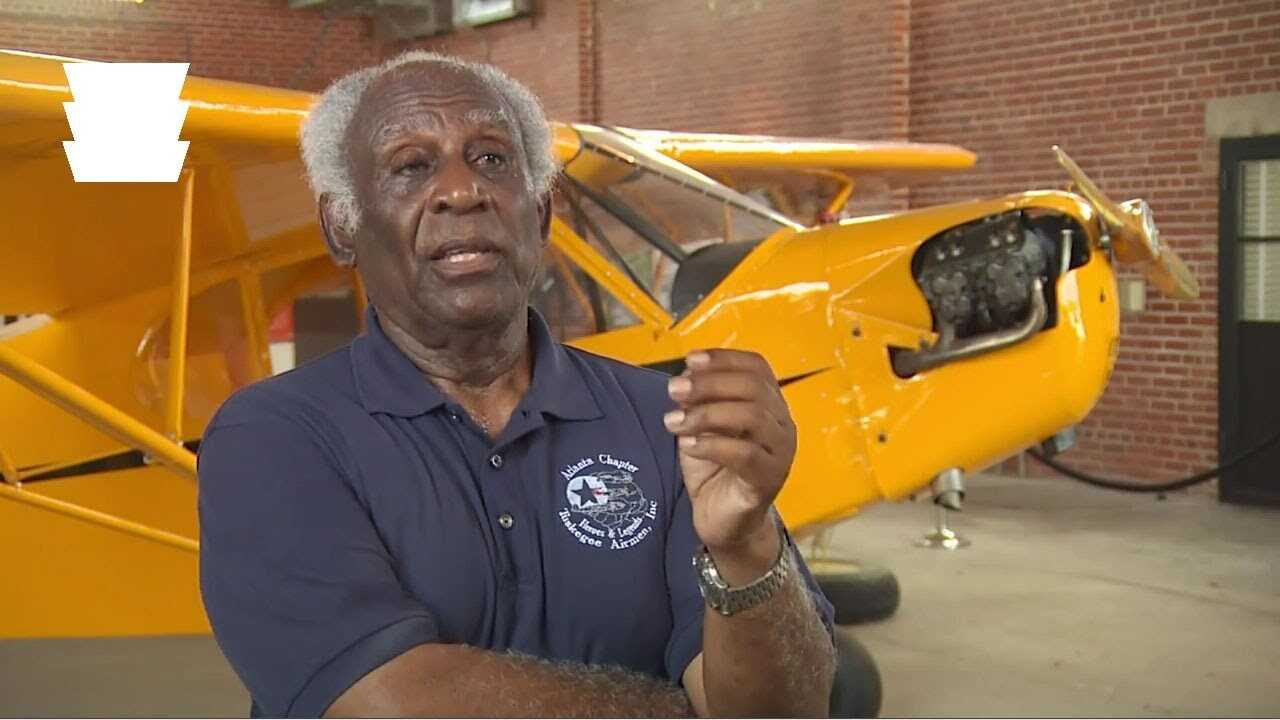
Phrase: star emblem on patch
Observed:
(586, 492)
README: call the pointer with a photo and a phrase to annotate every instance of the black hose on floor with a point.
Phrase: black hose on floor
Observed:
(1186, 482)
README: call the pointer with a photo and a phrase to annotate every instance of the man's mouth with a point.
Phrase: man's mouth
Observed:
(462, 256)
(465, 257)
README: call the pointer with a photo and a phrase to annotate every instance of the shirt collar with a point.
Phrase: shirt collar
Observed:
(388, 382)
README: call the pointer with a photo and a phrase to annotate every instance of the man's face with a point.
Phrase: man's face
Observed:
(451, 232)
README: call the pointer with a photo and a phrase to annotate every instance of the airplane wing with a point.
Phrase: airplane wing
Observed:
(805, 167)
(68, 244)
(716, 152)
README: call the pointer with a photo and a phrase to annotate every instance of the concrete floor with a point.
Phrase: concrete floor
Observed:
(1071, 602)
(1078, 602)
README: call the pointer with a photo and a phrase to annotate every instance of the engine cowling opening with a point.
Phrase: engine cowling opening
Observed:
(981, 280)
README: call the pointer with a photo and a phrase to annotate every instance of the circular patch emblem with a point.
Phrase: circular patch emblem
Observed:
(606, 507)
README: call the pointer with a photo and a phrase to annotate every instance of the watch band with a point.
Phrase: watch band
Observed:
(727, 600)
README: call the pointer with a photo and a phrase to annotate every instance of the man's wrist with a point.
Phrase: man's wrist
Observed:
(743, 563)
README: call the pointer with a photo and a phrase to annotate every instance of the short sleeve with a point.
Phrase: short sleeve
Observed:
(687, 605)
(299, 588)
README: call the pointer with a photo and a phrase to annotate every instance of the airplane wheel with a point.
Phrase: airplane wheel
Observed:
(860, 593)
(856, 692)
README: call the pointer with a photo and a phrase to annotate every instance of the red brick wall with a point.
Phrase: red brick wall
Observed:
(258, 41)
(799, 67)
(802, 67)
(813, 68)
(1121, 84)
(540, 50)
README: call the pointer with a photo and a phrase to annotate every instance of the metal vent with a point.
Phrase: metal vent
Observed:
(364, 7)
(392, 19)
(474, 13)
(408, 19)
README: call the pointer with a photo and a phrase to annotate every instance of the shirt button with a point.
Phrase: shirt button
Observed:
(496, 461)
(506, 521)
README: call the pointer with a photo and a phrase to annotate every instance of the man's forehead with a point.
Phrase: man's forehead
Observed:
(388, 127)
(423, 95)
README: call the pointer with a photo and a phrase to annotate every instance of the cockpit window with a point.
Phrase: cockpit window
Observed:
(659, 220)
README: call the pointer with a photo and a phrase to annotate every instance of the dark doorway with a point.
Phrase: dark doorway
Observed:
(1249, 317)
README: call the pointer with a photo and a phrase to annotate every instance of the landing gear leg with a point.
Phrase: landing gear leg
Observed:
(948, 493)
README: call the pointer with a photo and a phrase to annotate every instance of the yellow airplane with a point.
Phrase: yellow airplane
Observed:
(909, 345)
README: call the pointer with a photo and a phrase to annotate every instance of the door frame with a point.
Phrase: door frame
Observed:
(1231, 152)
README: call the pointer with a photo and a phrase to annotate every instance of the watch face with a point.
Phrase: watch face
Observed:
(708, 576)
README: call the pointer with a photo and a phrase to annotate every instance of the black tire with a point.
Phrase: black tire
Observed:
(859, 593)
(856, 692)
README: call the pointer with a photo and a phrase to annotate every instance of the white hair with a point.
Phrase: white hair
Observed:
(324, 131)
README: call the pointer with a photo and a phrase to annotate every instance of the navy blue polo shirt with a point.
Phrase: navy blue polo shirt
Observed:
(350, 511)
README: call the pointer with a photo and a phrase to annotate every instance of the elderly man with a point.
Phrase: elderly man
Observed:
(457, 515)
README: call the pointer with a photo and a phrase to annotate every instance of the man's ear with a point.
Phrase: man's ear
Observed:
(341, 244)
(544, 217)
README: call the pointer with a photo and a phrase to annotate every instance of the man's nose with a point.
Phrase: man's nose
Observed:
(457, 189)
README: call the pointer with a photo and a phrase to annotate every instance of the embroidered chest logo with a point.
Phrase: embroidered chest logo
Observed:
(606, 508)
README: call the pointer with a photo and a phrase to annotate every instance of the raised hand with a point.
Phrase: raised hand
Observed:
(736, 444)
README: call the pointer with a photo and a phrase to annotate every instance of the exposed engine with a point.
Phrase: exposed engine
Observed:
(978, 277)
(990, 283)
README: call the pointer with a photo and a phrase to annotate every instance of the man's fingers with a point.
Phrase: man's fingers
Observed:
(736, 418)
(724, 359)
(743, 458)
(713, 385)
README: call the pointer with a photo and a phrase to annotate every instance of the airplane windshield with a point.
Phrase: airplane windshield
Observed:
(674, 231)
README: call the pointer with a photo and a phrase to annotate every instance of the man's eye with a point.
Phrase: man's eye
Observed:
(493, 159)
(413, 166)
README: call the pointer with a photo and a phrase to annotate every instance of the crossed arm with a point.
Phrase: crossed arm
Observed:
(774, 660)
(435, 680)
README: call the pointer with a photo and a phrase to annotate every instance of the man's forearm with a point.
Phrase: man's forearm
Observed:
(463, 681)
(775, 659)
